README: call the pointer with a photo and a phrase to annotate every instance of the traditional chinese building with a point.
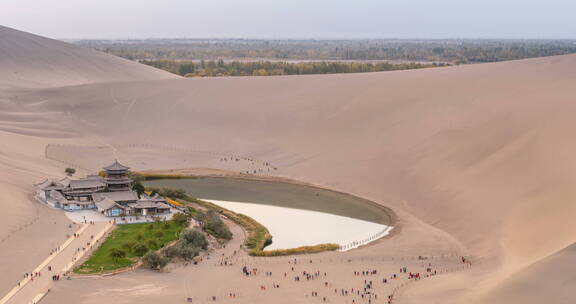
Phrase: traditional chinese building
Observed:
(111, 195)
(117, 178)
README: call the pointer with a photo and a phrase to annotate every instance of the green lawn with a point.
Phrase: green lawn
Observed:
(126, 237)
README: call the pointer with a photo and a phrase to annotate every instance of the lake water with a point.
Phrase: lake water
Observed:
(295, 215)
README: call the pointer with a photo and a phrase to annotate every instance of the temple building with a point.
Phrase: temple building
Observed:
(111, 195)
(117, 177)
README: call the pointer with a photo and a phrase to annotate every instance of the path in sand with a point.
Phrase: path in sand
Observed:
(337, 277)
(31, 290)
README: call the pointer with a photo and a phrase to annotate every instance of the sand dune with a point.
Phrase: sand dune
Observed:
(554, 274)
(28, 60)
(474, 159)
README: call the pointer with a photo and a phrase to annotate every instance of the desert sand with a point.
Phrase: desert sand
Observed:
(475, 160)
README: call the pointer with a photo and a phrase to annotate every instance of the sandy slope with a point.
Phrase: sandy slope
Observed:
(474, 159)
(555, 274)
(28, 60)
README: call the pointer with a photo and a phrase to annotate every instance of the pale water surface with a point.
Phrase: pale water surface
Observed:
(292, 228)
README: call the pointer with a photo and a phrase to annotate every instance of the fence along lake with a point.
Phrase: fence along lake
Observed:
(296, 215)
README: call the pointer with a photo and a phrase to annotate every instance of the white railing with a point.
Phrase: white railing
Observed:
(372, 238)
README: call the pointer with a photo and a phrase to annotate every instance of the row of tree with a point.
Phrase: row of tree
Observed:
(220, 67)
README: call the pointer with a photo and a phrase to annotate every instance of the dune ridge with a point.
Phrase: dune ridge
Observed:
(32, 61)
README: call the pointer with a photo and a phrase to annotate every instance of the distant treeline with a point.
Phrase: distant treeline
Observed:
(269, 68)
(454, 51)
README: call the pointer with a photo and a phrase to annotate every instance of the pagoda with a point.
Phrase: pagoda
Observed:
(116, 178)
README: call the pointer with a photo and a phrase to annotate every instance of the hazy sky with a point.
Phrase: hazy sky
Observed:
(293, 18)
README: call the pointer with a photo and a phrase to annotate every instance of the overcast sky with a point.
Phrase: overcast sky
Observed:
(292, 18)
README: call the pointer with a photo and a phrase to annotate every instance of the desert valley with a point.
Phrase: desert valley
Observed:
(463, 172)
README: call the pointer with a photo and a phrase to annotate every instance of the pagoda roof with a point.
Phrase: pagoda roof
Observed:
(116, 166)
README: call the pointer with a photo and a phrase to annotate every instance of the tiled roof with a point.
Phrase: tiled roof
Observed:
(145, 203)
(118, 196)
(116, 166)
(86, 183)
(106, 204)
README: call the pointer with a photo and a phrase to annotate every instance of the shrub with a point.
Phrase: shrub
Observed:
(128, 246)
(70, 171)
(181, 219)
(194, 238)
(140, 249)
(192, 211)
(154, 261)
(117, 254)
(152, 244)
(187, 252)
(299, 250)
(213, 224)
(169, 192)
(158, 234)
(171, 252)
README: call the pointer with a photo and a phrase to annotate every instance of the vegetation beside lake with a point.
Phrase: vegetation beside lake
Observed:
(299, 250)
(127, 243)
(258, 236)
(212, 224)
(188, 246)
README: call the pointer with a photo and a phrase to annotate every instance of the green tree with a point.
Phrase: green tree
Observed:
(194, 238)
(154, 261)
(117, 254)
(140, 249)
(128, 246)
(181, 219)
(172, 193)
(70, 171)
(187, 252)
(171, 252)
(139, 188)
(214, 226)
(152, 244)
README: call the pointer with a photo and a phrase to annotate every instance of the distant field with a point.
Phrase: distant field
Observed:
(125, 237)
